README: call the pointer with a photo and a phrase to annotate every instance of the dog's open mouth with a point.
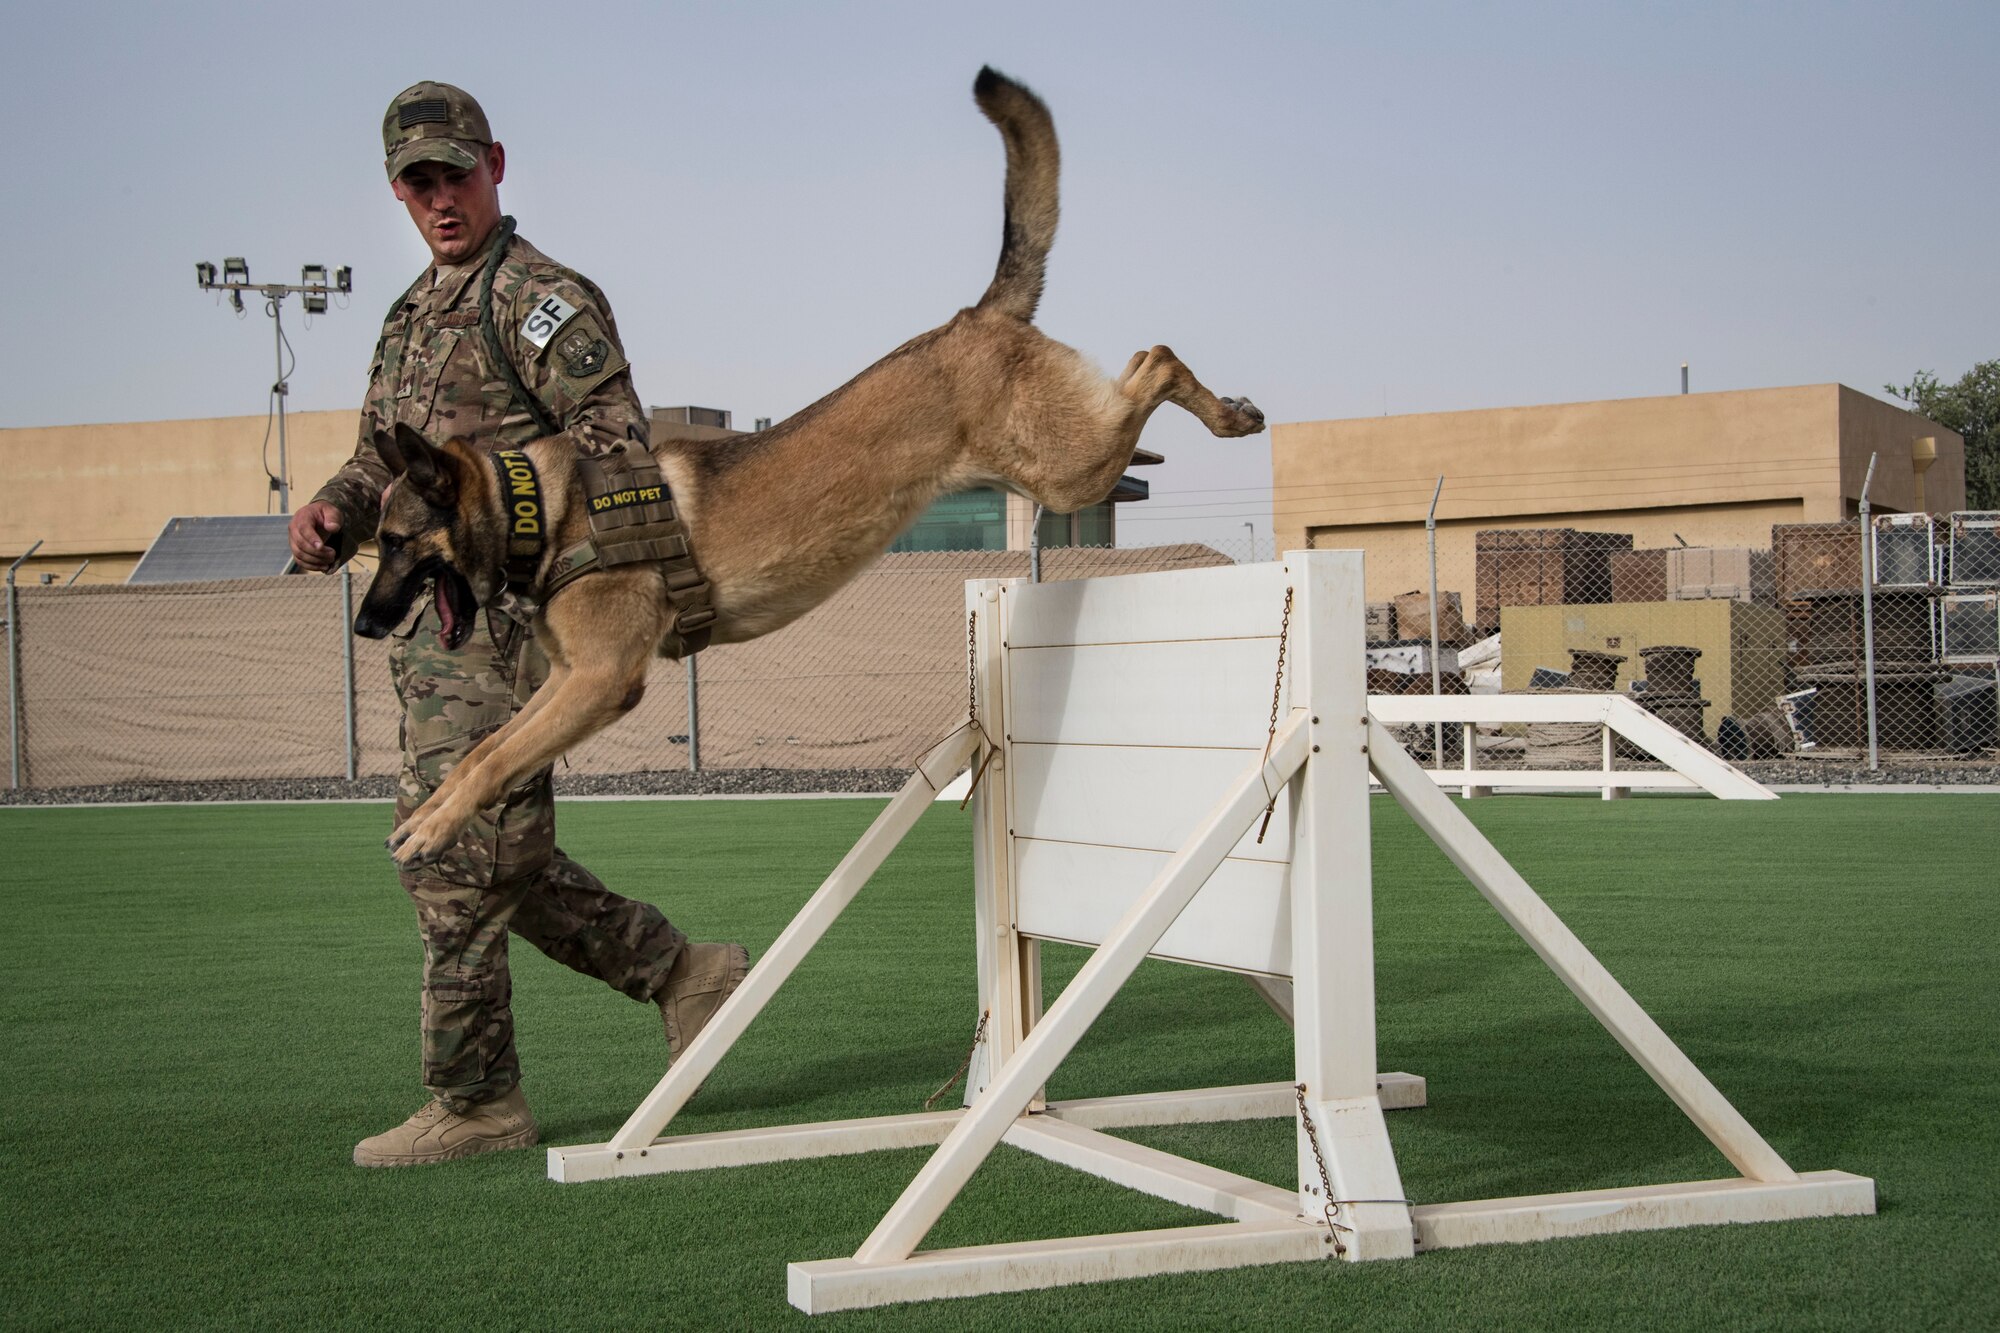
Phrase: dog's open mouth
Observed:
(456, 606)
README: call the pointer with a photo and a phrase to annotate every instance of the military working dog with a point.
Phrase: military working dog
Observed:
(780, 519)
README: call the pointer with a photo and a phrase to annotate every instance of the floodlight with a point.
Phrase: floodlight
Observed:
(314, 291)
(312, 277)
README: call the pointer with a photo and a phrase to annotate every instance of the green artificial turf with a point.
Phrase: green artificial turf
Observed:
(204, 1008)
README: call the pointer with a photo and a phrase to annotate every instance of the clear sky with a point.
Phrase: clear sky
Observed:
(1338, 209)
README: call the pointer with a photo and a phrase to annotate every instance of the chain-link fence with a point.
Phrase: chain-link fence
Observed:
(1787, 652)
(1790, 651)
(261, 679)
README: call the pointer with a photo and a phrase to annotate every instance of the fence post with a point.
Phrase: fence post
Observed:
(14, 660)
(694, 715)
(1868, 612)
(347, 660)
(1431, 538)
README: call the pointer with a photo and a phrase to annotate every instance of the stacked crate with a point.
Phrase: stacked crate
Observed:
(1969, 630)
(1818, 574)
(1639, 576)
(1541, 567)
(1734, 573)
(1969, 610)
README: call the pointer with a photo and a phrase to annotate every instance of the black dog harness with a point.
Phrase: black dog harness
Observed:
(527, 527)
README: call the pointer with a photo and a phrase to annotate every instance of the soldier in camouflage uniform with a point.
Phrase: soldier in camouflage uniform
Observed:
(500, 345)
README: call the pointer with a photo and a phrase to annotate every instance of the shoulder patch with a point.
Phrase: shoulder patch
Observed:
(583, 356)
(549, 315)
(584, 352)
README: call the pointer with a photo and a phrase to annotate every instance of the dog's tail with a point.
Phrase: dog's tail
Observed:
(1033, 165)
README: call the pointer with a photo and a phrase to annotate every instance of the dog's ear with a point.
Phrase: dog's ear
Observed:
(390, 453)
(432, 471)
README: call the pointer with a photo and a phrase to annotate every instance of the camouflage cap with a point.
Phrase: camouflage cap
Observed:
(434, 122)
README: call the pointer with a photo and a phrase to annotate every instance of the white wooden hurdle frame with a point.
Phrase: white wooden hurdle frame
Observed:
(1692, 767)
(1133, 766)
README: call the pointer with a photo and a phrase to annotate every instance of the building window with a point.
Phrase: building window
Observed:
(1090, 526)
(977, 521)
(966, 521)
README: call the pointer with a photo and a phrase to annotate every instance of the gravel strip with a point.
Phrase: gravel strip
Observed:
(1929, 772)
(720, 782)
(1937, 772)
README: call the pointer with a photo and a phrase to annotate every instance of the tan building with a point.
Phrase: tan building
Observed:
(102, 493)
(1710, 469)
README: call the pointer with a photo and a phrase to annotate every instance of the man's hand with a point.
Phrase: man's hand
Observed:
(311, 532)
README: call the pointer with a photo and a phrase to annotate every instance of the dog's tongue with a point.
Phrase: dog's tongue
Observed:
(445, 612)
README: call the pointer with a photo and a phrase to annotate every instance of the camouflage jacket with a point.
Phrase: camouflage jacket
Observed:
(434, 373)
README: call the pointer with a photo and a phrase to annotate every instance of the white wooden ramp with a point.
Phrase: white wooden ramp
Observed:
(1136, 734)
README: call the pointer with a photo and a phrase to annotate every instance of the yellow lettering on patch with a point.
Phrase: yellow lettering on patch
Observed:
(631, 495)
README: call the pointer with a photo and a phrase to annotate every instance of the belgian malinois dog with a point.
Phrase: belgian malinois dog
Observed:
(779, 519)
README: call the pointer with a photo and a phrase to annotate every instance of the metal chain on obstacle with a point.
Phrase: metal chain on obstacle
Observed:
(1333, 1228)
(1277, 692)
(978, 1035)
(972, 710)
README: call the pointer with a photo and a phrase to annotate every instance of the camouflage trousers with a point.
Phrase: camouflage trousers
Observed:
(506, 873)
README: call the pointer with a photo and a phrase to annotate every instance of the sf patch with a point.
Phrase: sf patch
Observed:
(549, 314)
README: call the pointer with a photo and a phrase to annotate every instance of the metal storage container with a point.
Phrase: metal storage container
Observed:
(1737, 573)
(1833, 630)
(1905, 707)
(1975, 549)
(1971, 627)
(1816, 558)
(1905, 551)
(1966, 713)
(1542, 567)
(1639, 576)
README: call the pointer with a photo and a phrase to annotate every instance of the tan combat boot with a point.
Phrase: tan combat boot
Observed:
(436, 1134)
(700, 980)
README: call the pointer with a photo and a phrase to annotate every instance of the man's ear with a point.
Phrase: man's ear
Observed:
(432, 471)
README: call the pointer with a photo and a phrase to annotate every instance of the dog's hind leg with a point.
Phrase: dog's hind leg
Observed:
(1157, 376)
(1131, 368)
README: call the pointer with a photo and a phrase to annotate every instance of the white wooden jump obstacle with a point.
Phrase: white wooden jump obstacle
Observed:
(1131, 746)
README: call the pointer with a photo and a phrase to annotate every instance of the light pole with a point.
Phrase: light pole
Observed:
(1253, 541)
(313, 287)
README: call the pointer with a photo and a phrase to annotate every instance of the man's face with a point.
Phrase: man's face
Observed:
(455, 210)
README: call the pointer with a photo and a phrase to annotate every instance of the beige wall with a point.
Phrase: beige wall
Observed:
(1742, 662)
(104, 492)
(1717, 468)
(1871, 425)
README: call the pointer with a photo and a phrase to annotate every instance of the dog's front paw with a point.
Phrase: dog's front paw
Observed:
(1241, 417)
(423, 840)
